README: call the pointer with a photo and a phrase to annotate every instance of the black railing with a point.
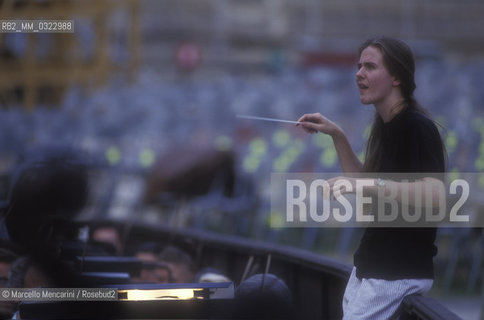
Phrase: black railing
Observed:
(421, 307)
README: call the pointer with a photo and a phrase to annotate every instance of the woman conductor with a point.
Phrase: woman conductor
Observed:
(390, 263)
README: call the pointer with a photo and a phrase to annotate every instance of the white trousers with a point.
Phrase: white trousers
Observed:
(376, 299)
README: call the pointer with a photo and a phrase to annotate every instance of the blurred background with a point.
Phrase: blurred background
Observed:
(146, 93)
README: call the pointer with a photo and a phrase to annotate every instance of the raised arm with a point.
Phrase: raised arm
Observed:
(316, 122)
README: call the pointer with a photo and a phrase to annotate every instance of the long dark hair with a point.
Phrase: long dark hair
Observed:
(400, 63)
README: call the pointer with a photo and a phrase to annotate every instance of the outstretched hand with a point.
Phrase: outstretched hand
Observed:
(316, 122)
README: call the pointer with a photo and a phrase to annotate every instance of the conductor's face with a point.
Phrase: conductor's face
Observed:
(373, 79)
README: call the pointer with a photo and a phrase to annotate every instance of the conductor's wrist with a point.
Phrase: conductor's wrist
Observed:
(337, 133)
